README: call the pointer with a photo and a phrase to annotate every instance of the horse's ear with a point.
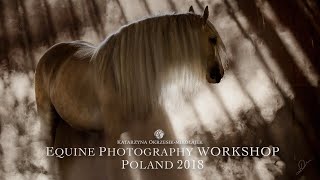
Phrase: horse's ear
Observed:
(191, 9)
(205, 14)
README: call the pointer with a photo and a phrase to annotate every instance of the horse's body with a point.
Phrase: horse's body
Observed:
(101, 88)
(64, 82)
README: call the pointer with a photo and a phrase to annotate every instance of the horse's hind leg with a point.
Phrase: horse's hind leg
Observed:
(48, 123)
(47, 115)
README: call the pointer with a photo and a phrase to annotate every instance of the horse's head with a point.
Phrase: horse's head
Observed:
(210, 44)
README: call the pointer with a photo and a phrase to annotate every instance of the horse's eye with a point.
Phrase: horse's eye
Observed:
(213, 40)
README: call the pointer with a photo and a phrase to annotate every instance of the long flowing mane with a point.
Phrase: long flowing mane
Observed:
(148, 56)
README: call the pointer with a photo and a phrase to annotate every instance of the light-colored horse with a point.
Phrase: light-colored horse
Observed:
(110, 86)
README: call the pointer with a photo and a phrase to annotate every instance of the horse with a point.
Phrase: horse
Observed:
(118, 82)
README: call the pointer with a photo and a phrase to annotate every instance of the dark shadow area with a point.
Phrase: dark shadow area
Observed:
(95, 17)
(122, 12)
(306, 96)
(39, 17)
(50, 28)
(302, 118)
(303, 28)
(25, 35)
(74, 21)
(85, 167)
(4, 42)
(1, 155)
